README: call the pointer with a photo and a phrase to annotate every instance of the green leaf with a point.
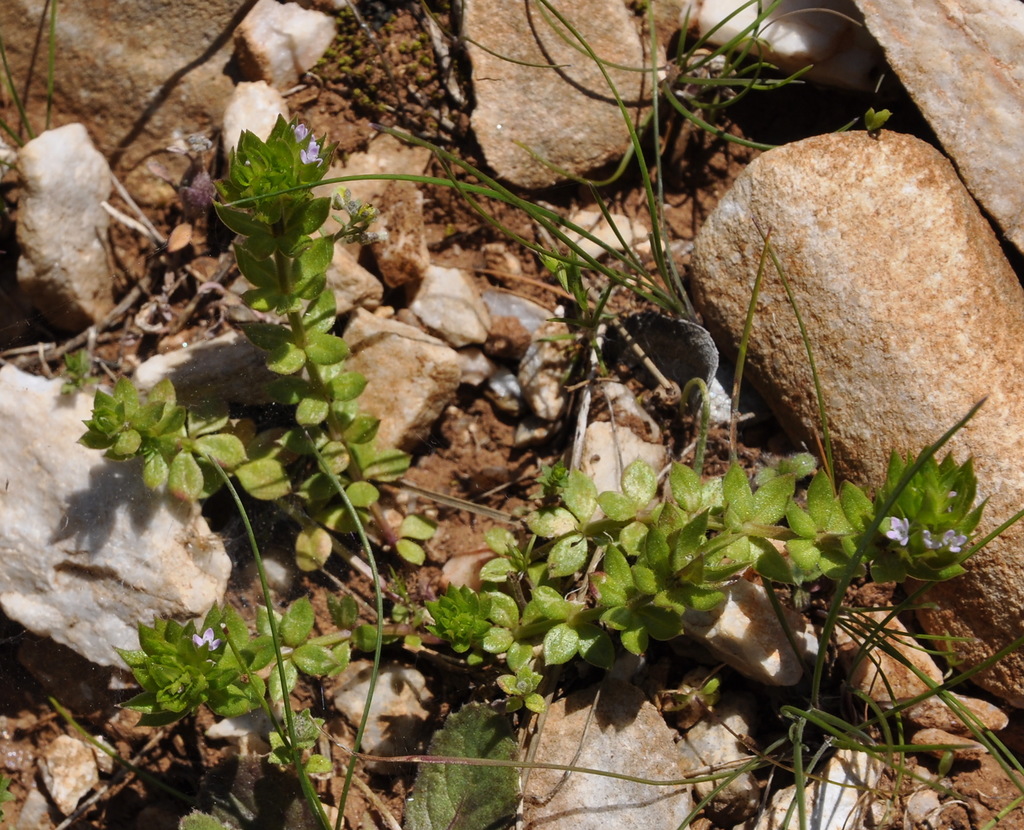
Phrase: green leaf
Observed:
(362, 430)
(154, 470)
(291, 676)
(311, 411)
(313, 547)
(411, 552)
(504, 610)
(240, 221)
(318, 765)
(321, 314)
(344, 611)
(616, 506)
(261, 272)
(288, 390)
(551, 522)
(127, 444)
(595, 646)
(314, 660)
(800, 522)
(774, 566)
(686, 487)
(738, 495)
(297, 623)
(580, 496)
(462, 797)
(227, 450)
(310, 215)
(497, 570)
(362, 493)
(264, 478)
(201, 821)
(560, 644)
(820, 499)
(805, 554)
(286, 359)
(267, 336)
(497, 640)
(185, 479)
(347, 387)
(324, 349)
(771, 499)
(567, 555)
(639, 483)
(419, 527)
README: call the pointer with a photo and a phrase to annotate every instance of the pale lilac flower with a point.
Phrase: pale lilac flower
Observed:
(311, 153)
(953, 541)
(206, 640)
(899, 530)
(301, 131)
(929, 542)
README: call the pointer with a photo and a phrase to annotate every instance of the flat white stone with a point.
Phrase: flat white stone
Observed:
(448, 304)
(277, 42)
(88, 551)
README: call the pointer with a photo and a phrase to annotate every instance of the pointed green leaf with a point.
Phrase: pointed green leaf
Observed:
(771, 499)
(324, 349)
(185, 479)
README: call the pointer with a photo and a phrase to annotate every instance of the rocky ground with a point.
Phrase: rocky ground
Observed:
(400, 70)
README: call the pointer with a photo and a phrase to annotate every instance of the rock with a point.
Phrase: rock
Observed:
(959, 60)
(712, 745)
(402, 258)
(253, 106)
(411, 377)
(36, 812)
(830, 35)
(154, 72)
(514, 319)
(602, 236)
(886, 679)
(966, 750)
(544, 369)
(883, 231)
(62, 228)
(69, 771)
(398, 723)
(566, 115)
(227, 367)
(385, 154)
(611, 446)
(353, 285)
(619, 732)
(745, 633)
(474, 366)
(88, 550)
(277, 42)
(837, 799)
(449, 306)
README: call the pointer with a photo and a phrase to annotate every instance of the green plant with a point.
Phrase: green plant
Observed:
(16, 132)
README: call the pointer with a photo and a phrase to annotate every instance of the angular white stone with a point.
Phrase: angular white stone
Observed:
(543, 371)
(253, 106)
(88, 551)
(62, 228)
(827, 33)
(620, 732)
(449, 305)
(745, 633)
(277, 42)
(961, 62)
(69, 771)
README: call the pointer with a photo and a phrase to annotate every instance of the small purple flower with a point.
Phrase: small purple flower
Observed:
(929, 542)
(953, 541)
(207, 640)
(899, 530)
(301, 131)
(311, 153)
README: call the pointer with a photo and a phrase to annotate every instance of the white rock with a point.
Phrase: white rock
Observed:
(399, 715)
(254, 107)
(745, 633)
(567, 116)
(544, 369)
(249, 732)
(62, 228)
(411, 377)
(828, 34)
(69, 771)
(228, 367)
(449, 305)
(712, 746)
(624, 734)
(277, 42)
(474, 366)
(611, 446)
(88, 550)
(960, 60)
(914, 316)
(839, 801)
(605, 235)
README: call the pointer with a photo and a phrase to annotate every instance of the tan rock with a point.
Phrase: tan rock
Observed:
(534, 88)
(960, 61)
(402, 257)
(913, 316)
(411, 376)
(69, 771)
